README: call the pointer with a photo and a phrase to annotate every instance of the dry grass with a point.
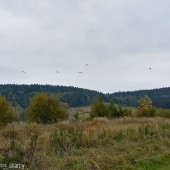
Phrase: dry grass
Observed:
(97, 144)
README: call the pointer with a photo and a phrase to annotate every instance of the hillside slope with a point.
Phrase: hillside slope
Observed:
(20, 95)
(160, 97)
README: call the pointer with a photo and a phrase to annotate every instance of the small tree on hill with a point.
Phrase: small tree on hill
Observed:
(45, 109)
(99, 109)
(145, 107)
(7, 112)
(115, 110)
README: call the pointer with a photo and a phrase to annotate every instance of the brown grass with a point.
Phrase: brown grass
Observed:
(97, 144)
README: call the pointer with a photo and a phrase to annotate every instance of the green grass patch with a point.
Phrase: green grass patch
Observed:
(155, 163)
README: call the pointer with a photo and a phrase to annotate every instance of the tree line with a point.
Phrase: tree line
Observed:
(160, 97)
(20, 95)
(43, 108)
(46, 109)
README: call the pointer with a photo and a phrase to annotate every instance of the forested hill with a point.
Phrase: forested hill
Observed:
(20, 95)
(160, 97)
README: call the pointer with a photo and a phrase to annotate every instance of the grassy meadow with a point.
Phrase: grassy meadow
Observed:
(103, 144)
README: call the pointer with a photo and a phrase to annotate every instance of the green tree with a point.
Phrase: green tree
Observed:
(145, 107)
(45, 109)
(7, 112)
(115, 110)
(99, 109)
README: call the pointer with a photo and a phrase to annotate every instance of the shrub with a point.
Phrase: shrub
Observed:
(115, 110)
(99, 109)
(7, 112)
(127, 112)
(145, 108)
(46, 109)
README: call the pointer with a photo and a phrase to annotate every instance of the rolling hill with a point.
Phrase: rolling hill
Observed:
(20, 95)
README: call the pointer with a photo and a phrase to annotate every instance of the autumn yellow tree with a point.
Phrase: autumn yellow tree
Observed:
(145, 108)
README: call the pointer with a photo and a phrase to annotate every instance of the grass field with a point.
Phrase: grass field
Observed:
(156, 163)
(126, 143)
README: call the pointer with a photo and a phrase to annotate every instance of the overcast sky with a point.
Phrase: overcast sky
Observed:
(118, 39)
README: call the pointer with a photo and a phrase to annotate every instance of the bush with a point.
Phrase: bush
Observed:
(127, 112)
(99, 109)
(145, 108)
(46, 109)
(115, 110)
(7, 112)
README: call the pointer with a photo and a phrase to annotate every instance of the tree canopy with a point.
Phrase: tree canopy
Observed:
(99, 109)
(7, 112)
(145, 107)
(45, 109)
(20, 95)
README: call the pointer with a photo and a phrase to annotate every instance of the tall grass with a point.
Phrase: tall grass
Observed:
(97, 144)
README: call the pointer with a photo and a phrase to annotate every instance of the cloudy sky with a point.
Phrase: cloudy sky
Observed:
(118, 39)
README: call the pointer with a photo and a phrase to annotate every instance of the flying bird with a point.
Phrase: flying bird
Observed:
(57, 72)
(86, 65)
(150, 69)
(80, 72)
(23, 72)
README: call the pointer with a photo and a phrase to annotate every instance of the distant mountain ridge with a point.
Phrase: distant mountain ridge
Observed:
(20, 95)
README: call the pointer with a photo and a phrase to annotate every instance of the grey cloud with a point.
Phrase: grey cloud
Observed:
(114, 37)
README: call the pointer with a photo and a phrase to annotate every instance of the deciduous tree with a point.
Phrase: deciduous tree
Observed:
(99, 109)
(45, 109)
(7, 112)
(145, 107)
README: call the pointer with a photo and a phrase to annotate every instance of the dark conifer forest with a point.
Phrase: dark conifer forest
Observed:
(20, 95)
